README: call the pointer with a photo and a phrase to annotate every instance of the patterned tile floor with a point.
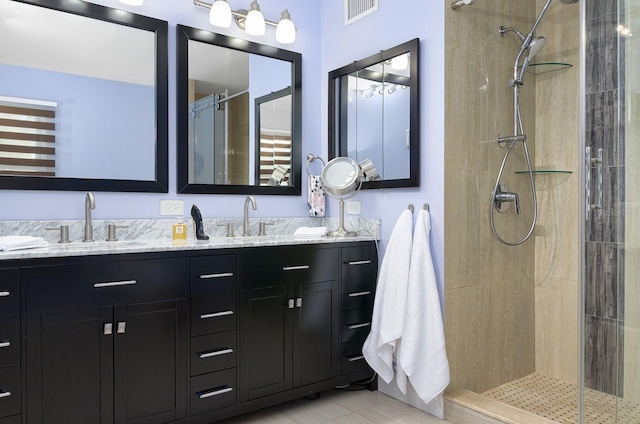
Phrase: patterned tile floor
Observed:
(558, 401)
(341, 407)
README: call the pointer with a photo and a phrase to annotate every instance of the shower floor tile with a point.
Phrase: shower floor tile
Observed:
(558, 401)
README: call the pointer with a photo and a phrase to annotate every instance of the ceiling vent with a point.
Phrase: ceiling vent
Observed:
(358, 9)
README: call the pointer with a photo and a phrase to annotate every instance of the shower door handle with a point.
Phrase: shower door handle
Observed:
(589, 160)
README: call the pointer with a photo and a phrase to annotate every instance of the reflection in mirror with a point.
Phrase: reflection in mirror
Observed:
(224, 144)
(78, 112)
(273, 138)
(373, 114)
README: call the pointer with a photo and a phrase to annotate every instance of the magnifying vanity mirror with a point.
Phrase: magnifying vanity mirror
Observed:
(83, 98)
(239, 115)
(374, 114)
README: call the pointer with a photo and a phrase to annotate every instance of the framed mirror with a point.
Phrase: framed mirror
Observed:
(83, 98)
(239, 115)
(374, 114)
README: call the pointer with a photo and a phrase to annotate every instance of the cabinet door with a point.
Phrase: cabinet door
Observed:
(150, 362)
(69, 373)
(265, 338)
(316, 332)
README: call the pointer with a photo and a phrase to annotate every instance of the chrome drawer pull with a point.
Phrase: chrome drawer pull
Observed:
(222, 275)
(367, 262)
(216, 314)
(354, 326)
(115, 284)
(294, 268)
(364, 293)
(5, 344)
(215, 353)
(5, 394)
(355, 358)
(204, 395)
(4, 293)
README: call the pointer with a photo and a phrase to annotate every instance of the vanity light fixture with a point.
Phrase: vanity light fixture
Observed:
(252, 20)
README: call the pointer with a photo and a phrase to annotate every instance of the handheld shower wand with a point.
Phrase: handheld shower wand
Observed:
(459, 3)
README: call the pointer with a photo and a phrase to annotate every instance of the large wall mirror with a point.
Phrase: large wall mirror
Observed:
(83, 98)
(239, 115)
(374, 114)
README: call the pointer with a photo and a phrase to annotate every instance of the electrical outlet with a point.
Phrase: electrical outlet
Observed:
(172, 207)
(353, 207)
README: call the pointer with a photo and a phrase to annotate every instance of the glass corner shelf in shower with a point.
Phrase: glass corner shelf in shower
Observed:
(544, 67)
(545, 171)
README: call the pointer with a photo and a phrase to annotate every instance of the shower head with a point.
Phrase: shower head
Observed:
(535, 46)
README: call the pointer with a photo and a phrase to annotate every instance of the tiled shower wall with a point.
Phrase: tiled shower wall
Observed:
(604, 250)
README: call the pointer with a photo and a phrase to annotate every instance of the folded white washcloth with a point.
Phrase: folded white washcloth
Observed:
(310, 232)
(21, 242)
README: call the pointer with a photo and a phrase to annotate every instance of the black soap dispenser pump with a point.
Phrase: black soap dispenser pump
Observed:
(198, 224)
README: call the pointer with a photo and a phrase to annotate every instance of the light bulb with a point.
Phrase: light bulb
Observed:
(254, 24)
(285, 31)
(400, 63)
(220, 14)
(132, 2)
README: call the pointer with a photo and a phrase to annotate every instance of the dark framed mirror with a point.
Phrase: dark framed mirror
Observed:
(221, 84)
(83, 98)
(374, 114)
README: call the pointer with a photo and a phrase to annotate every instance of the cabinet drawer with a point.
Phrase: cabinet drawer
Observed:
(9, 341)
(104, 283)
(213, 352)
(213, 313)
(16, 419)
(9, 391)
(352, 359)
(356, 325)
(267, 266)
(213, 391)
(213, 274)
(9, 292)
(357, 262)
(357, 293)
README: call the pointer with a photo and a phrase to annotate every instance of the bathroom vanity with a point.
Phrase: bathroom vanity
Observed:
(186, 336)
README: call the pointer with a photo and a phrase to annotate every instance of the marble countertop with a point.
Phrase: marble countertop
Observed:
(79, 248)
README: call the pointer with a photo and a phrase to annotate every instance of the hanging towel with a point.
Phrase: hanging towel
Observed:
(423, 357)
(389, 303)
(315, 196)
(21, 242)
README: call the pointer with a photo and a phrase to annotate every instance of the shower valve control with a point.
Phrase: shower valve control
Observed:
(501, 197)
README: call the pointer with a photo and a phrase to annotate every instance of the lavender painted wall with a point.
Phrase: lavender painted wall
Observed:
(325, 44)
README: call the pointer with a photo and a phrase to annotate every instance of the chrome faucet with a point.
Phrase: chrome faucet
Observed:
(245, 227)
(89, 203)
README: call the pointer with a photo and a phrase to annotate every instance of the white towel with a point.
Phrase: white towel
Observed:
(423, 357)
(21, 242)
(389, 304)
(311, 232)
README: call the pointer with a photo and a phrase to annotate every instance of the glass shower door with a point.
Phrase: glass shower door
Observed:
(611, 260)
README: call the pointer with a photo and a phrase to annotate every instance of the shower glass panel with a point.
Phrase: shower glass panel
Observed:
(208, 141)
(611, 332)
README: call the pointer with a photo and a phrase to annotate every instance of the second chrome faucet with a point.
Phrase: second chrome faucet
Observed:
(89, 203)
(245, 226)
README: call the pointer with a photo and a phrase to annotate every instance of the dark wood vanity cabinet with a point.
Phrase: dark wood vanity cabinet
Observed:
(289, 321)
(191, 337)
(106, 342)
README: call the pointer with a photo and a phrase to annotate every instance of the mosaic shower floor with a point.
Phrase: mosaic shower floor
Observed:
(558, 401)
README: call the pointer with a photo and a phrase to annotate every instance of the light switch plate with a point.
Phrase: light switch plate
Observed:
(353, 207)
(172, 207)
